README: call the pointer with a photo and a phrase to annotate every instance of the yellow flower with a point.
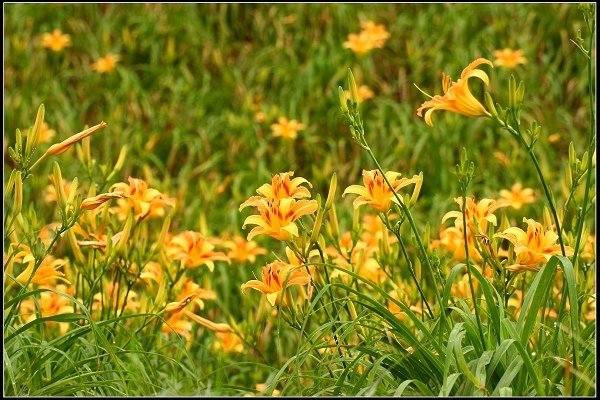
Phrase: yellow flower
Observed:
(47, 273)
(50, 304)
(46, 134)
(452, 240)
(360, 44)
(403, 294)
(243, 250)
(56, 40)
(377, 193)
(193, 250)
(509, 58)
(590, 308)
(144, 201)
(177, 323)
(517, 197)
(50, 191)
(371, 36)
(190, 293)
(364, 93)
(457, 95)
(588, 253)
(500, 156)
(287, 129)
(532, 248)
(262, 388)
(106, 64)
(375, 32)
(277, 218)
(229, 342)
(281, 187)
(477, 214)
(152, 271)
(179, 309)
(47, 232)
(375, 231)
(274, 276)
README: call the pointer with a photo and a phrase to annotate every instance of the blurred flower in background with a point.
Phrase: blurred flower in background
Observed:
(509, 58)
(56, 41)
(106, 64)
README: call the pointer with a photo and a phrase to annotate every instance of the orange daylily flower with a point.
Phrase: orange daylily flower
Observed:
(50, 304)
(146, 202)
(50, 194)
(47, 273)
(287, 129)
(243, 250)
(46, 134)
(509, 58)
(193, 250)
(532, 248)
(358, 43)
(517, 197)
(281, 187)
(274, 276)
(479, 214)
(277, 218)
(589, 249)
(372, 36)
(176, 323)
(452, 240)
(179, 324)
(152, 271)
(56, 41)
(106, 64)
(229, 342)
(457, 96)
(377, 33)
(375, 231)
(377, 193)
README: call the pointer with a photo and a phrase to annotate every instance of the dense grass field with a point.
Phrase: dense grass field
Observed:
(299, 199)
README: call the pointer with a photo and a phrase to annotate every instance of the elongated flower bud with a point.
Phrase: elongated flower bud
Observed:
(34, 133)
(18, 193)
(94, 202)
(63, 146)
(331, 194)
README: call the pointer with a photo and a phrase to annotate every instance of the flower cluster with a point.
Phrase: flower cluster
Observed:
(280, 204)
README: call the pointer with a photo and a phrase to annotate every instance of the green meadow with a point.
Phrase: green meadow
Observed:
(299, 199)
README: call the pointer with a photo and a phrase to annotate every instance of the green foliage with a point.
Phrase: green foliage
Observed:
(189, 108)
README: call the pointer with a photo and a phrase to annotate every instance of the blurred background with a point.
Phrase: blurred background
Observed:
(196, 88)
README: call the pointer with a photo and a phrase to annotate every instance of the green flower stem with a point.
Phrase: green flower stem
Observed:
(475, 305)
(588, 184)
(591, 145)
(63, 229)
(410, 268)
(518, 135)
(414, 229)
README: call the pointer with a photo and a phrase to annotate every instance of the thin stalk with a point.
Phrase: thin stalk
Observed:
(591, 143)
(414, 229)
(518, 135)
(412, 273)
(475, 306)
